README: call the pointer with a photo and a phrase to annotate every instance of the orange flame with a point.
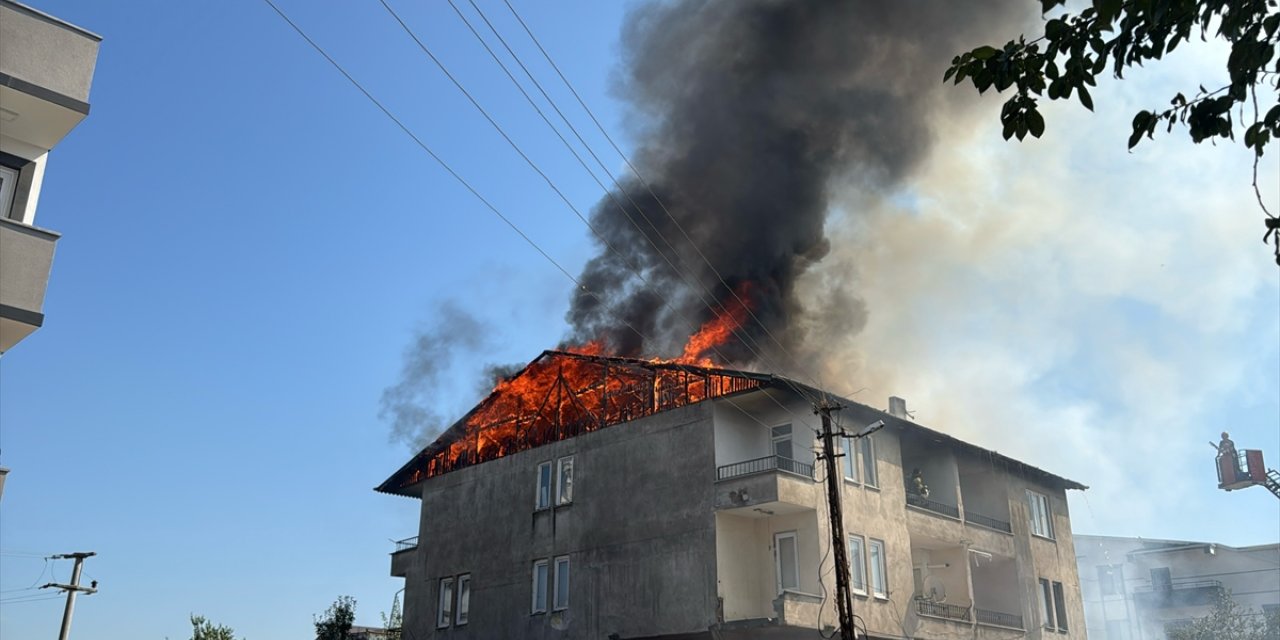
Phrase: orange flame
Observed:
(579, 389)
(717, 331)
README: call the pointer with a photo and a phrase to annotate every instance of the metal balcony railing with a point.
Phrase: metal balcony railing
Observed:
(988, 522)
(1000, 619)
(1178, 594)
(942, 610)
(762, 465)
(917, 500)
(406, 544)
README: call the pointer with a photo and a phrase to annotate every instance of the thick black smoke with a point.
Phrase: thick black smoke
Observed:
(751, 112)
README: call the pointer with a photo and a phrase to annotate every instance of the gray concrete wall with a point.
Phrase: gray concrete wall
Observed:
(26, 256)
(47, 52)
(640, 535)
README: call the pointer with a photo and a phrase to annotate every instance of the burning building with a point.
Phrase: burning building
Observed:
(591, 496)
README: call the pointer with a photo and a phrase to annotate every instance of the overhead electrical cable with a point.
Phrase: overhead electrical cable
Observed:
(815, 380)
(546, 178)
(469, 187)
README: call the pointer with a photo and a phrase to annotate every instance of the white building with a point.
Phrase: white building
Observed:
(46, 68)
(1137, 588)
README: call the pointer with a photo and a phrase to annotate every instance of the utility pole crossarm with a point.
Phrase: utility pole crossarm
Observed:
(72, 589)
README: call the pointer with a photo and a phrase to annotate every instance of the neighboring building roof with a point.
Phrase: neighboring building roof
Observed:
(562, 395)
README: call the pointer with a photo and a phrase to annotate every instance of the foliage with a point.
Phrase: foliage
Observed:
(202, 629)
(393, 621)
(1118, 34)
(1229, 621)
(337, 620)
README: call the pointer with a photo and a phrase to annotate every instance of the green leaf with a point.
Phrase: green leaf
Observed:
(985, 52)
(1055, 29)
(1085, 98)
(1140, 123)
(1035, 122)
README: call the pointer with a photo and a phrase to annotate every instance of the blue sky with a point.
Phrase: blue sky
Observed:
(249, 247)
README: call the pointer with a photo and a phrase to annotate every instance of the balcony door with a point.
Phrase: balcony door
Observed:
(787, 561)
(782, 446)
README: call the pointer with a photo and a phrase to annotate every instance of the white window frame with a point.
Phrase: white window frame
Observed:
(870, 474)
(857, 565)
(564, 495)
(776, 438)
(561, 574)
(1046, 604)
(540, 586)
(1060, 606)
(879, 565)
(444, 603)
(9, 191)
(850, 460)
(542, 492)
(777, 560)
(462, 609)
(1041, 514)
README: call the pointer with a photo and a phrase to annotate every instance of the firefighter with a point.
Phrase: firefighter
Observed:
(917, 482)
(1228, 448)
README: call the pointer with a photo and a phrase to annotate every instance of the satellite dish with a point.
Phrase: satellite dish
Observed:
(934, 589)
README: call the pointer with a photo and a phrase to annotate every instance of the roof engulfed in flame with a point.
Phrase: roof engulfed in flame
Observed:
(562, 395)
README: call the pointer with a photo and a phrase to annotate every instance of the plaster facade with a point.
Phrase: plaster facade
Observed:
(687, 524)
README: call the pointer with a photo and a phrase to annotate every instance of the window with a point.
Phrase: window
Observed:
(850, 460)
(879, 577)
(782, 442)
(542, 497)
(857, 566)
(464, 598)
(1109, 579)
(564, 484)
(788, 565)
(8, 185)
(1161, 580)
(1041, 523)
(562, 584)
(1060, 605)
(540, 586)
(444, 612)
(1046, 604)
(869, 476)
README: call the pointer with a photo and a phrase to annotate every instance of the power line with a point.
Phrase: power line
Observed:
(652, 193)
(528, 160)
(747, 339)
(550, 183)
(449, 169)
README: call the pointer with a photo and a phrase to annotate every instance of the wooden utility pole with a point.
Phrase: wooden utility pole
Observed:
(72, 589)
(835, 509)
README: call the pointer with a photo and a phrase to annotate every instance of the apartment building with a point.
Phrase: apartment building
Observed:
(46, 69)
(1140, 588)
(593, 497)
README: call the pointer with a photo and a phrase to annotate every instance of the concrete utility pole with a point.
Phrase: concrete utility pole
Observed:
(73, 588)
(835, 512)
(835, 509)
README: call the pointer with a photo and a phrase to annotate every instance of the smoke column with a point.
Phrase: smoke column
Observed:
(749, 112)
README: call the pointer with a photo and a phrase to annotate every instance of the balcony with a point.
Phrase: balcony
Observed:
(984, 521)
(1178, 594)
(26, 256)
(402, 556)
(764, 465)
(943, 610)
(46, 69)
(998, 619)
(921, 502)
